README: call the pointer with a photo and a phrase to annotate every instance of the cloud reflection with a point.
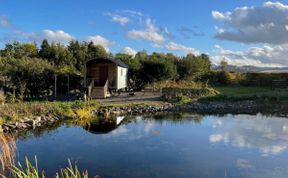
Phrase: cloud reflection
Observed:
(144, 129)
(267, 134)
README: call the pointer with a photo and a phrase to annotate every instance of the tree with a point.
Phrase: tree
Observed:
(96, 51)
(60, 55)
(187, 67)
(190, 65)
(44, 51)
(204, 63)
(223, 65)
(19, 50)
(79, 53)
(142, 55)
(28, 76)
(157, 70)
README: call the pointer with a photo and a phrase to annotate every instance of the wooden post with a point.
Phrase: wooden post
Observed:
(55, 85)
(68, 83)
(85, 72)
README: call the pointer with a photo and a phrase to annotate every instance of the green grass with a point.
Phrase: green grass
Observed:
(249, 93)
(243, 91)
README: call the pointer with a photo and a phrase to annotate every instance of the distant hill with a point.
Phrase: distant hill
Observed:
(252, 69)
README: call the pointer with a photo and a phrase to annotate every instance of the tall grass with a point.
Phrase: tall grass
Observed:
(32, 171)
(72, 172)
(7, 153)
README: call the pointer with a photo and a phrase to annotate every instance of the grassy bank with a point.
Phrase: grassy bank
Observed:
(75, 109)
(16, 111)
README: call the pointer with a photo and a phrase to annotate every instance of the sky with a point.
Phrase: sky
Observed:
(241, 32)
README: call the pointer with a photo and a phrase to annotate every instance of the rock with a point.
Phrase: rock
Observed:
(5, 128)
(51, 119)
(38, 119)
(31, 123)
(10, 126)
(21, 126)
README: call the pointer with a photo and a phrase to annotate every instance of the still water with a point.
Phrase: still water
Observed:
(177, 145)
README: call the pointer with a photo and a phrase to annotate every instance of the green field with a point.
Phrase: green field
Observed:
(244, 91)
(251, 93)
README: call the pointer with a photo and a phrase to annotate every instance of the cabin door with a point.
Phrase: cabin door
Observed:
(103, 74)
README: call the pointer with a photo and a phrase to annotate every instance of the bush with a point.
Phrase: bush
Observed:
(212, 77)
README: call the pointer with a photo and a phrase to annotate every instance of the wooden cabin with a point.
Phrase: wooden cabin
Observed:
(104, 75)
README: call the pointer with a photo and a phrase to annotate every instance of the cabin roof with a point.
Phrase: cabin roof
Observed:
(116, 61)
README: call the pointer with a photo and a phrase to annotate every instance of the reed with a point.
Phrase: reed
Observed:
(72, 172)
(30, 170)
(7, 153)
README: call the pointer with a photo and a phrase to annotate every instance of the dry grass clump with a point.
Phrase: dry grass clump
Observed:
(180, 84)
(7, 153)
(84, 113)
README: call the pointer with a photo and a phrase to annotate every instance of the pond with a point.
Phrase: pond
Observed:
(173, 145)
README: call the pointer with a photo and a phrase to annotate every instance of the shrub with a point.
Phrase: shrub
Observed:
(212, 77)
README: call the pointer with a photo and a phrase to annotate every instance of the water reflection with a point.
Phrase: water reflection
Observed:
(267, 134)
(102, 125)
(164, 145)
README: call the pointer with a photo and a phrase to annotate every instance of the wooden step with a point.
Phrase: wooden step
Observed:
(99, 93)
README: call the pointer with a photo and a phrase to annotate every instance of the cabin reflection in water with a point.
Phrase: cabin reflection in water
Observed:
(103, 126)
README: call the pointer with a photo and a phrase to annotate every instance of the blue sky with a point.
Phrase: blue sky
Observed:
(163, 26)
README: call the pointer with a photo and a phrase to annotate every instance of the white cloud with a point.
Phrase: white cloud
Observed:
(57, 36)
(266, 56)
(129, 51)
(265, 24)
(218, 15)
(179, 47)
(133, 13)
(276, 5)
(151, 33)
(123, 21)
(99, 40)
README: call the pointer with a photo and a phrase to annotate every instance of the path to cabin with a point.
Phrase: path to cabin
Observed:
(137, 97)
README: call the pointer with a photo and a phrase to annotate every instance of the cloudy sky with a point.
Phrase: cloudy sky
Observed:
(243, 32)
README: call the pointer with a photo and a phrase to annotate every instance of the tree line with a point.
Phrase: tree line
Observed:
(27, 71)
